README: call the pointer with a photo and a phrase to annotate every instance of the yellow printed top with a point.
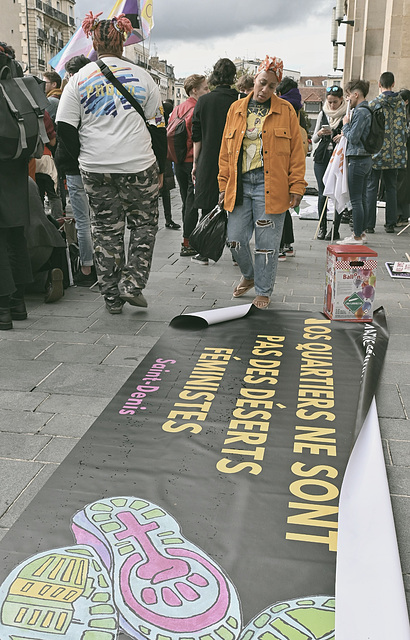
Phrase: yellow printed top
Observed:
(252, 141)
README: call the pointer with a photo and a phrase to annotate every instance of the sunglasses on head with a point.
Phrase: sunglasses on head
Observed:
(332, 89)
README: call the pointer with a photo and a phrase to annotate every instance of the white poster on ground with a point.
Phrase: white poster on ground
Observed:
(370, 598)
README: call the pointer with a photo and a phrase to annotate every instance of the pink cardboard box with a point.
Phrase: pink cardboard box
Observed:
(350, 282)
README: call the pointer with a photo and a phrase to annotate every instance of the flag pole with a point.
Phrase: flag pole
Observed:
(321, 217)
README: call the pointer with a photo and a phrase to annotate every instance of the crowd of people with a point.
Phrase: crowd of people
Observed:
(371, 176)
(244, 151)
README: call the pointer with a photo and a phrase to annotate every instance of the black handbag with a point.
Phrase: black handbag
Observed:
(209, 236)
(158, 134)
(323, 152)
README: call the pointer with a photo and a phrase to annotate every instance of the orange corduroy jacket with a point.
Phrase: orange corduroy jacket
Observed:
(283, 155)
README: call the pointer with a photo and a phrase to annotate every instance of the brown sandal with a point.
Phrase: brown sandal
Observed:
(243, 287)
(261, 302)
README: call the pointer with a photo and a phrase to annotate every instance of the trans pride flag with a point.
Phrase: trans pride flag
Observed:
(79, 44)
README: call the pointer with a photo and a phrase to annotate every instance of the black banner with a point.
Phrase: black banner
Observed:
(208, 487)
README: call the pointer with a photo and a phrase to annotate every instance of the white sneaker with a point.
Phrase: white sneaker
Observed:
(364, 238)
(350, 240)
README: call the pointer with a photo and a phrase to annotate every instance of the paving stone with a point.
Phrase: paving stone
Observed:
(85, 380)
(405, 395)
(21, 446)
(395, 429)
(23, 400)
(23, 350)
(126, 356)
(70, 309)
(128, 322)
(19, 333)
(123, 340)
(15, 475)
(73, 426)
(155, 329)
(74, 405)
(23, 375)
(22, 421)
(400, 452)
(399, 481)
(296, 298)
(388, 402)
(26, 496)
(63, 324)
(57, 449)
(68, 337)
(78, 353)
(401, 510)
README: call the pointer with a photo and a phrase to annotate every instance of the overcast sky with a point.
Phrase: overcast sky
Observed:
(192, 34)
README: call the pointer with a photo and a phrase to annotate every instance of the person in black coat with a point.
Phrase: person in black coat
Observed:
(208, 123)
(15, 268)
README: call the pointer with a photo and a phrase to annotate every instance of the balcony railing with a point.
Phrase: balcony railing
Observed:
(53, 41)
(60, 44)
(41, 63)
(55, 13)
(41, 34)
(39, 5)
(71, 21)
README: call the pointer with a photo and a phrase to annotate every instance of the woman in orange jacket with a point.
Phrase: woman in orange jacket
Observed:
(261, 175)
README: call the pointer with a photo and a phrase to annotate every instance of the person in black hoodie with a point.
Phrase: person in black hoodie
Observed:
(208, 123)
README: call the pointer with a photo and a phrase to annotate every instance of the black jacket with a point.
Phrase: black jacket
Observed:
(208, 123)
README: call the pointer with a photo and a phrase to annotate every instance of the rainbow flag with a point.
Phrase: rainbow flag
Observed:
(140, 12)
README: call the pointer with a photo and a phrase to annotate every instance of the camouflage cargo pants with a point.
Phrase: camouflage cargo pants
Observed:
(116, 200)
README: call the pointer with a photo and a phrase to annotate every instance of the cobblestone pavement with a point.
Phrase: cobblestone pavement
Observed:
(61, 366)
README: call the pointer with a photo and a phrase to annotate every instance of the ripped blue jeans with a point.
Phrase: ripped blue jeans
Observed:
(248, 218)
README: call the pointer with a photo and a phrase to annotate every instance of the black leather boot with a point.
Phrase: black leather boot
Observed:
(5, 314)
(18, 309)
(17, 304)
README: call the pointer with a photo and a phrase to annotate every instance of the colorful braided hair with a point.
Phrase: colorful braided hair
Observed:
(107, 34)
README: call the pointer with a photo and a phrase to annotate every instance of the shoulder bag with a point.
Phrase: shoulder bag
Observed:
(158, 134)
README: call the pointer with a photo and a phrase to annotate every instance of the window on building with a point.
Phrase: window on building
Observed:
(70, 11)
(40, 53)
(324, 83)
(58, 5)
(308, 83)
(312, 107)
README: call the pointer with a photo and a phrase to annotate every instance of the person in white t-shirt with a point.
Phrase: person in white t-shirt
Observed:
(120, 171)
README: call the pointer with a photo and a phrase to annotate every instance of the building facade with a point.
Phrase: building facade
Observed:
(378, 41)
(250, 67)
(161, 72)
(313, 92)
(37, 30)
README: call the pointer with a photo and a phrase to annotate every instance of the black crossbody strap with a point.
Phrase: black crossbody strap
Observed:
(118, 85)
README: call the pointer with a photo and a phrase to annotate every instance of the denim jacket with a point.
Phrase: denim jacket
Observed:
(357, 130)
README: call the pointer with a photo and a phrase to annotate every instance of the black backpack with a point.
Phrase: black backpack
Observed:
(22, 105)
(375, 139)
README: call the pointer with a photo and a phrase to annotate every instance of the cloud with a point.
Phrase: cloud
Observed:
(193, 34)
(202, 20)
(199, 20)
